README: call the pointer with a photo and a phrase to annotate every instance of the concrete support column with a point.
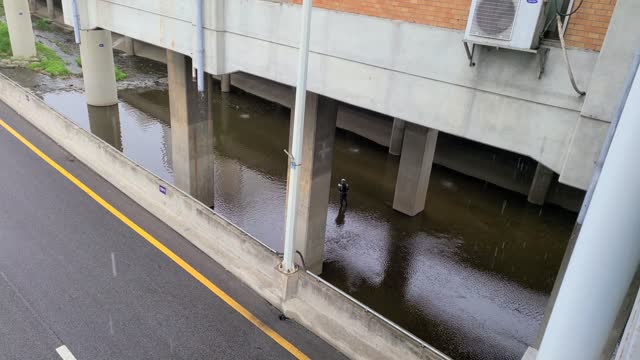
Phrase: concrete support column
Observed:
(397, 137)
(104, 122)
(129, 46)
(315, 178)
(23, 44)
(191, 130)
(416, 161)
(98, 68)
(51, 10)
(540, 185)
(225, 83)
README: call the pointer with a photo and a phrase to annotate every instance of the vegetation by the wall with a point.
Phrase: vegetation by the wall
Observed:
(49, 62)
(120, 75)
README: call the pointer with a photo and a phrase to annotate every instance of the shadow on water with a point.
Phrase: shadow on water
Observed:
(470, 275)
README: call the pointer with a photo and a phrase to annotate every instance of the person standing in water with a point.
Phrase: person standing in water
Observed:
(343, 188)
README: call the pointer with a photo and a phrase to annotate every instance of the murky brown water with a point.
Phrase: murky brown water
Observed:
(470, 275)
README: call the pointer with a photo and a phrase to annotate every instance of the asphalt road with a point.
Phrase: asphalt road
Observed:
(71, 274)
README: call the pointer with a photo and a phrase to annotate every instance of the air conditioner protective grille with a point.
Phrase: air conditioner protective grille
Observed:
(495, 18)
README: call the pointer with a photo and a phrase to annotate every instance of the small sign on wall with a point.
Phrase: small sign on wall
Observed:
(162, 189)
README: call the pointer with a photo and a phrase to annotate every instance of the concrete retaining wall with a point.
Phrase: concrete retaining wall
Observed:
(352, 328)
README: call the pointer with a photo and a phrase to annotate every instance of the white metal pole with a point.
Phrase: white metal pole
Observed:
(606, 254)
(200, 45)
(296, 143)
(76, 20)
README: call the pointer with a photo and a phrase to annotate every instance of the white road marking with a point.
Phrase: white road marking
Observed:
(113, 264)
(64, 353)
(110, 325)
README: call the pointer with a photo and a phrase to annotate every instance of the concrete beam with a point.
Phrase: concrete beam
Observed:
(315, 178)
(540, 185)
(98, 67)
(23, 44)
(397, 137)
(418, 150)
(191, 130)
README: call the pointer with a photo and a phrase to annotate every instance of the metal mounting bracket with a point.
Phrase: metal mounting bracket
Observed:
(470, 52)
(543, 54)
(292, 160)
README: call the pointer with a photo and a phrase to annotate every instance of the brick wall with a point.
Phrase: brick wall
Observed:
(586, 29)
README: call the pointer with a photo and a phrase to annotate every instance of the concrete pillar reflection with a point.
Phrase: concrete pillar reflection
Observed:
(315, 178)
(192, 133)
(418, 150)
(23, 44)
(104, 122)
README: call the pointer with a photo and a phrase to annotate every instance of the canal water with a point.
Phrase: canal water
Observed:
(470, 275)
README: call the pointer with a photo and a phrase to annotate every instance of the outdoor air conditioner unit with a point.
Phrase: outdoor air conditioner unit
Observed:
(512, 24)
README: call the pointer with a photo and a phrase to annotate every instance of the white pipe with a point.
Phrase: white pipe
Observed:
(296, 143)
(607, 141)
(606, 254)
(566, 18)
(200, 45)
(76, 20)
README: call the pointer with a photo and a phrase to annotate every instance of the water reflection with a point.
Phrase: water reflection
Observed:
(104, 122)
(192, 145)
(470, 275)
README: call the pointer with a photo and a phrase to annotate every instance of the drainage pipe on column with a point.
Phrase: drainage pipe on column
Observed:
(200, 45)
(607, 251)
(296, 143)
(76, 20)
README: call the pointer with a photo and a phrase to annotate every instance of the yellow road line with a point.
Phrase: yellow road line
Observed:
(178, 260)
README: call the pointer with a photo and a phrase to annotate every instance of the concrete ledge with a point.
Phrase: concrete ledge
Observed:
(531, 354)
(340, 320)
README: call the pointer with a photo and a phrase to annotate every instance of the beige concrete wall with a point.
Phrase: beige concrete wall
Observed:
(352, 328)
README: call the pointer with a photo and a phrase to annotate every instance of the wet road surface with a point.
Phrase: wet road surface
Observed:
(73, 275)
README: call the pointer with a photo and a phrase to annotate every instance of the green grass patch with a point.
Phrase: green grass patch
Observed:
(120, 75)
(5, 42)
(42, 24)
(50, 63)
(1, 8)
